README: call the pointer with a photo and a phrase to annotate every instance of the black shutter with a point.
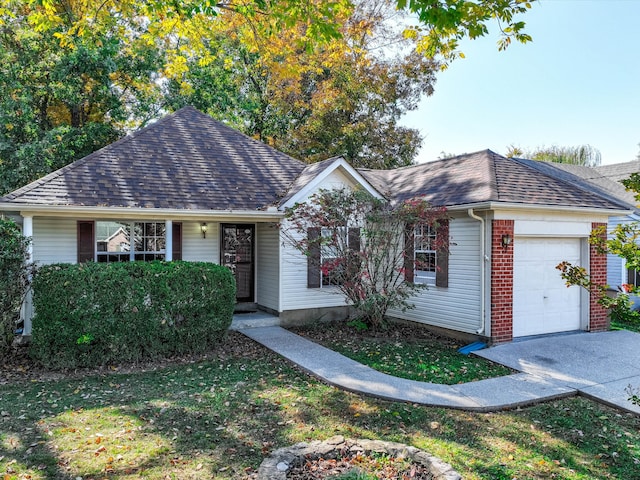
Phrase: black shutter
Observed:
(409, 249)
(86, 241)
(354, 239)
(313, 259)
(177, 241)
(442, 256)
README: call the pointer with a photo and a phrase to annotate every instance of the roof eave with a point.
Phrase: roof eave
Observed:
(270, 214)
(527, 206)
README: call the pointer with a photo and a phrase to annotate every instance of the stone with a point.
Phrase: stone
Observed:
(275, 466)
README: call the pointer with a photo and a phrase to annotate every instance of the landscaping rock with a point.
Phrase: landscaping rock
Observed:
(276, 465)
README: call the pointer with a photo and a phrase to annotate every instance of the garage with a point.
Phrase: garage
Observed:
(542, 303)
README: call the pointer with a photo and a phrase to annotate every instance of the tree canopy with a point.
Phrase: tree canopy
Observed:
(580, 155)
(312, 78)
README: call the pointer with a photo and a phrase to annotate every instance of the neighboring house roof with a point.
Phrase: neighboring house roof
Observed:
(483, 177)
(588, 178)
(619, 171)
(186, 160)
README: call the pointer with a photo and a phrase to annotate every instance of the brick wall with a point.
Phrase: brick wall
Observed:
(501, 282)
(598, 317)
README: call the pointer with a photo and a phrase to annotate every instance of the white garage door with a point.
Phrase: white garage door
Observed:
(541, 301)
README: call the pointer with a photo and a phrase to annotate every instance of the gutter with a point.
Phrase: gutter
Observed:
(271, 213)
(491, 205)
(483, 280)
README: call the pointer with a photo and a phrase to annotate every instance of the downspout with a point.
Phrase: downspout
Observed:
(483, 280)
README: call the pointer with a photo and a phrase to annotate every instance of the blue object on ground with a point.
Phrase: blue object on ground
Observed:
(472, 348)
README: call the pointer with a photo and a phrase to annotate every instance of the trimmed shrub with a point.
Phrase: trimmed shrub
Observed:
(97, 314)
(15, 275)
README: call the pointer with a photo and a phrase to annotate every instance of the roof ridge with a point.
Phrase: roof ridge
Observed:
(427, 163)
(238, 132)
(494, 185)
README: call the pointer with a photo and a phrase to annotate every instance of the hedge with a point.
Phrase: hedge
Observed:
(95, 314)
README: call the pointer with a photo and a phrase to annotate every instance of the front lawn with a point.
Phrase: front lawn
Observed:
(405, 350)
(219, 417)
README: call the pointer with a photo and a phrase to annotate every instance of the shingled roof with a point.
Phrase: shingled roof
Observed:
(186, 160)
(619, 171)
(588, 178)
(482, 177)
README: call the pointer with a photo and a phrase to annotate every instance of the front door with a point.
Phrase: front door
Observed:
(237, 254)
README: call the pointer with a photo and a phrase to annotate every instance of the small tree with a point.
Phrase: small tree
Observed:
(15, 276)
(624, 241)
(360, 245)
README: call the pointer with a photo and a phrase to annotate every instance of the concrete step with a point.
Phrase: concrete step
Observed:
(253, 320)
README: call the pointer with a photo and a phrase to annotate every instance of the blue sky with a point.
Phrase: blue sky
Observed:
(577, 83)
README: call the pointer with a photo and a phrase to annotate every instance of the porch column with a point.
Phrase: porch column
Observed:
(26, 311)
(168, 248)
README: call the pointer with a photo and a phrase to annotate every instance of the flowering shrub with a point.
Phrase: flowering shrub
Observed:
(359, 245)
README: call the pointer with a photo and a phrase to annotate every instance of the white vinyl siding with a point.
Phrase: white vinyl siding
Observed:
(198, 249)
(458, 306)
(268, 265)
(295, 295)
(55, 240)
(616, 269)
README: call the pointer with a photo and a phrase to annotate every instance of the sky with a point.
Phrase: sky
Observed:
(577, 83)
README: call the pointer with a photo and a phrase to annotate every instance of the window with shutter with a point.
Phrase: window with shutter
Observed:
(323, 262)
(116, 241)
(424, 262)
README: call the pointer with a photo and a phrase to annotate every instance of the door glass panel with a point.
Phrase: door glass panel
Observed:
(237, 255)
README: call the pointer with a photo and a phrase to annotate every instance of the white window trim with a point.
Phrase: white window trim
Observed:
(425, 277)
(132, 247)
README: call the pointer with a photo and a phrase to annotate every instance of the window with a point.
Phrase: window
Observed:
(331, 264)
(426, 258)
(112, 242)
(149, 240)
(633, 277)
(127, 241)
(425, 254)
(324, 265)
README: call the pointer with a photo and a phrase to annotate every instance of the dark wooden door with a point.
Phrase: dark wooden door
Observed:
(237, 254)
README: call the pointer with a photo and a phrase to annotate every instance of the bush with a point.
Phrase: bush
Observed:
(96, 314)
(15, 274)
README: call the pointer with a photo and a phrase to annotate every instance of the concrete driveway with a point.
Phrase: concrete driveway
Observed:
(598, 365)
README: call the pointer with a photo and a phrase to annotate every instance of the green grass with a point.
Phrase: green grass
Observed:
(407, 352)
(631, 326)
(219, 418)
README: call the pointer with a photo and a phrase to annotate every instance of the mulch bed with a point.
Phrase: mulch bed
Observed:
(341, 332)
(19, 367)
(390, 469)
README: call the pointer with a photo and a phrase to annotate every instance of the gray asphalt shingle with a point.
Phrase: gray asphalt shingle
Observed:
(482, 177)
(186, 160)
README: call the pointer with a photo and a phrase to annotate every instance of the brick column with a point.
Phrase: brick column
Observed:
(598, 315)
(501, 282)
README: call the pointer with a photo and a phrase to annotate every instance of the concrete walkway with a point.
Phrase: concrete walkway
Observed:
(534, 385)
